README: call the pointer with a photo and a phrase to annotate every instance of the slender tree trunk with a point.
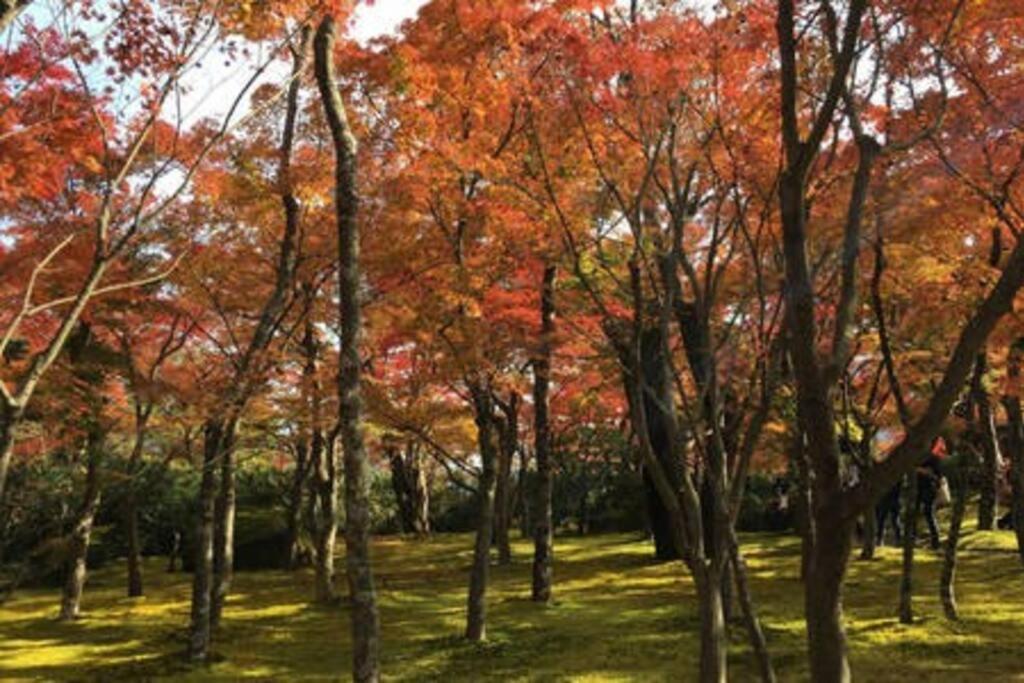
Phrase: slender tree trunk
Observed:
(78, 546)
(476, 612)
(758, 644)
(508, 444)
(134, 560)
(988, 502)
(325, 519)
(1016, 447)
(410, 486)
(202, 578)
(543, 534)
(869, 541)
(9, 419)
(224, 528)
(947, 580)
(823, 603)
(502, 501)
(295, 500)
(365, 620)
(420, 492)
(906, 610)
(713, 640)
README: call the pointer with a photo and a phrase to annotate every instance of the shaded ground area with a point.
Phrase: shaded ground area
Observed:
(618, 616)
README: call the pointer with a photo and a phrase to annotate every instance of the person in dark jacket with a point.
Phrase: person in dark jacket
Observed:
(929, 477)
(888, 509)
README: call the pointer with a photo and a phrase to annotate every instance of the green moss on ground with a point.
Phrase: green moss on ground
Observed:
(618, 616)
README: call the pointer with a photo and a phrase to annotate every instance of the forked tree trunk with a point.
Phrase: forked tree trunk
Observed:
(365, 620)
(199, 641)
(543, 536)
(906, 608)
(487, 440)
(78, 545)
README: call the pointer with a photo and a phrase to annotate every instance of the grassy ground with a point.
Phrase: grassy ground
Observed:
(618, 616)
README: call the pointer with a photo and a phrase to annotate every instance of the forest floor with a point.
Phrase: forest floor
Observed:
(618, 616)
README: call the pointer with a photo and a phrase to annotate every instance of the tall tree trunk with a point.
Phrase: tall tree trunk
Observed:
(947, 579)
(656, 381)
(906, 610)
(9, 419)
(420, 491)
(325, 519)
(870, 538)
(365, 620)
(823, 604)
(200, 638)
(1016, 444)
(508, 444)
(989, 485)
(224, 527)
(78, 545)
(713, 638)
(502, 500)
(134, 560)
(296, 498)
(476, 611)
(409, 482)
(543, 533)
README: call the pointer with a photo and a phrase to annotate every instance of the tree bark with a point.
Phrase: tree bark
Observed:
(224, 527)
(365, 620)
(1016, 444)
(78, 545)
(989, 485)
(296, 497)
(758, 644)
(325, 519)
(947, 579)
(408, 480)
(508, 444)
(906, 609)
(134, 560)
(543, 534)
(713, 640)
(823, 603)
(476, 610)
(9, 419)
(200, 639)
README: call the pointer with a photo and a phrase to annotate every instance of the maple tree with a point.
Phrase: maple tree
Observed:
(717, 242)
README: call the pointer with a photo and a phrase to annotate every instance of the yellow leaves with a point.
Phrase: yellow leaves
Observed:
(917, 267)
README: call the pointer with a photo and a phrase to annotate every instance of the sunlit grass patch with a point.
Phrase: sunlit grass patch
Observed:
(617, 616)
